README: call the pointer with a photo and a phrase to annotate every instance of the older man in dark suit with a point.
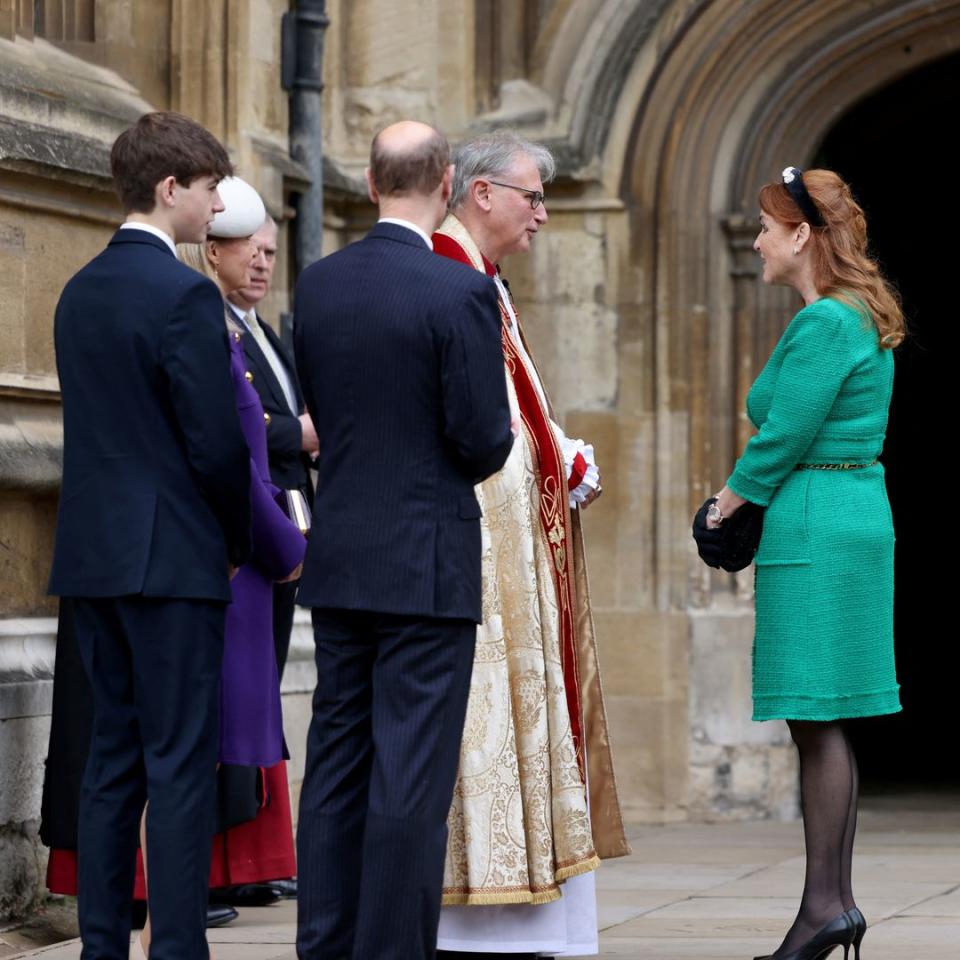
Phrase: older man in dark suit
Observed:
(154, 515)
(401, 365)
(291, 437)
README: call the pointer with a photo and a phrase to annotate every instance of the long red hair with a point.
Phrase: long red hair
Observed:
(842, 268)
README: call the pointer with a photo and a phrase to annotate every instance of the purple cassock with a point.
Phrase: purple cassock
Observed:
(251, 723)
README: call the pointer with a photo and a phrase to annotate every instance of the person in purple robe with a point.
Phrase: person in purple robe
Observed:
(251, 728)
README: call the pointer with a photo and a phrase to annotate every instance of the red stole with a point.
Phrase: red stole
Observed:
(551, 479)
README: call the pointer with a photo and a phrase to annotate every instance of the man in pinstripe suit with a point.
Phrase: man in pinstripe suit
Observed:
(401, 364)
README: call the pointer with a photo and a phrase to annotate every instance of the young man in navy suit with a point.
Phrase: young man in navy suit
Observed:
(401, 366)
(154, 518)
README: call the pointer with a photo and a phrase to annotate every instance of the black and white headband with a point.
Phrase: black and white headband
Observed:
(793, 181)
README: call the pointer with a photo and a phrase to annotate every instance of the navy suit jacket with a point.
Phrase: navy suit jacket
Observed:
(401, 366)
(155, 498)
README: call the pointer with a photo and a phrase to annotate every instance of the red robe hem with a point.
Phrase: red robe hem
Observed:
(253, 852)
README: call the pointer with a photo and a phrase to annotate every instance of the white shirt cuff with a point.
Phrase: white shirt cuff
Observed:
(591, 478)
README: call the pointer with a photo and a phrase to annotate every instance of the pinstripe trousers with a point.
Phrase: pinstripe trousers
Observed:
(382, 755)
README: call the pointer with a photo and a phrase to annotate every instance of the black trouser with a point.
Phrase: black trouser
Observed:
(382, 756)
(154, 670)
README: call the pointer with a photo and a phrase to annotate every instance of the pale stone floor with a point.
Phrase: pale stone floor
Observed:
(724, 891)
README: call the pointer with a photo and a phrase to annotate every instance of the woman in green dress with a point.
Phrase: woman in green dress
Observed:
(823, 648)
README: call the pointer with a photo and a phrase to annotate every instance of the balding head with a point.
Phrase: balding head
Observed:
(408, 159)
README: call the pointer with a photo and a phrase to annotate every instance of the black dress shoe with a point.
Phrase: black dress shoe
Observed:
(245, 895)
(286, 888)
(218, 916)
(838, 932)
(859, 929)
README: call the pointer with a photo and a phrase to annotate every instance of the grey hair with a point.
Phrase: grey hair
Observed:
(492, 155)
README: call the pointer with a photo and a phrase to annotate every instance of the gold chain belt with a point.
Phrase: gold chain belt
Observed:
(834, 466)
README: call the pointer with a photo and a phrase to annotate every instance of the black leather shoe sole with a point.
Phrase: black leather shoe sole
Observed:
(245, 895)
(220, 915)
(287, 889)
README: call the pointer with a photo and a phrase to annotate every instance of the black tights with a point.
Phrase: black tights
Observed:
(828, 795)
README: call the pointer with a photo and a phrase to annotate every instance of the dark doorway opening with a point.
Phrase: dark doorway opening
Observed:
(892, 149)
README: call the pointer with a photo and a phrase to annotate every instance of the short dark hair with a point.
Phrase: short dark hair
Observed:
(160, 145)
(418, 170)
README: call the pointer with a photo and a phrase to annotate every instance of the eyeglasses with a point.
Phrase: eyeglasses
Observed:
(535, 196)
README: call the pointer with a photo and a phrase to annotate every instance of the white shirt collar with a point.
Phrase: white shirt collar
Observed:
(150, 228)
(239, 311)
(409, 226)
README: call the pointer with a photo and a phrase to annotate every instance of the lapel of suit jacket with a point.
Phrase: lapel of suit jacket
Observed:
(285, 359)
(263, 369)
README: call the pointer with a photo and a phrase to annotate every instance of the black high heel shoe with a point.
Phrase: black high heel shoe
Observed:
(859, 929)
(839, 932)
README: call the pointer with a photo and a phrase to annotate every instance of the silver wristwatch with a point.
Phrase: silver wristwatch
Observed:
(714, 515)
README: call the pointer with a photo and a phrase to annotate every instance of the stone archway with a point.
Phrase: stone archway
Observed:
(715, 126)
(890, 145)
(683, 110)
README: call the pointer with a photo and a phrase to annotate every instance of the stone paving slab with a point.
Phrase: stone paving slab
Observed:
(723, 892)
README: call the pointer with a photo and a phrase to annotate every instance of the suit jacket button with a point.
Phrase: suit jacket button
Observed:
(266, 418)
(248, 376)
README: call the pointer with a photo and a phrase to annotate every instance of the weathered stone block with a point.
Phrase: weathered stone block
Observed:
(643, 732)
(13, 278)
(53, 256)
(600, 520)
(27, 524)
(23, 866)
(742, 783)
(388, 47)
(636, 486)
(23, 751)
(643, 654)
(575, 347)
(721, 679)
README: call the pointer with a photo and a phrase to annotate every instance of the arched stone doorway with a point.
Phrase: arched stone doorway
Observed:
(893, 147)
(716, 99)
(745, 91)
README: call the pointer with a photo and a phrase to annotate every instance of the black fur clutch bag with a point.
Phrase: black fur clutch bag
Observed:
(733, 545)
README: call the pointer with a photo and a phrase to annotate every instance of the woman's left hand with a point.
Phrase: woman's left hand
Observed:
(293, 575)
(728, 503)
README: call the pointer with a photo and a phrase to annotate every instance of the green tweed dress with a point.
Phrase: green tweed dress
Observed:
(823, 647)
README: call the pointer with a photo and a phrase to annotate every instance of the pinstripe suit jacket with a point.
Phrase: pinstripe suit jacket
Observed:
(399, 357)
